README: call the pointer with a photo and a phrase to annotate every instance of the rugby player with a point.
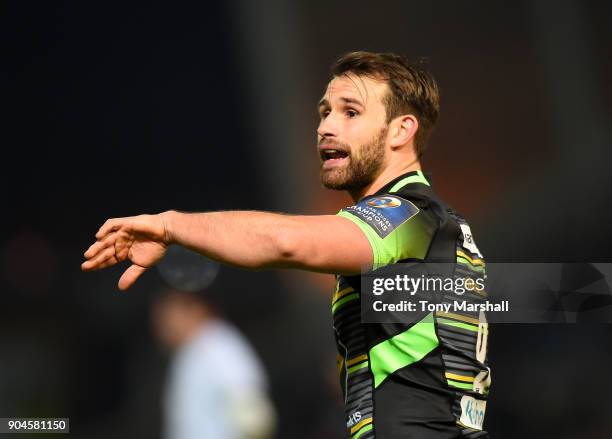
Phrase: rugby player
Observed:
(428, 379)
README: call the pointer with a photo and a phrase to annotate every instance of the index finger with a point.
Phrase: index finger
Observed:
(109, 226)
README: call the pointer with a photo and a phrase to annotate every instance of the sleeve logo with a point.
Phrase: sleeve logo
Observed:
(472, 412)
(384, 202)
(468, 240)
(383, 214)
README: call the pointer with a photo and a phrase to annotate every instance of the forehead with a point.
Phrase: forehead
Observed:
(365, 90)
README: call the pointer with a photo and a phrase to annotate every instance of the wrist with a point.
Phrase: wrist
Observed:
(167, 219)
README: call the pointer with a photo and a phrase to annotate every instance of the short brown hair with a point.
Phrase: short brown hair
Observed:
(413, 90)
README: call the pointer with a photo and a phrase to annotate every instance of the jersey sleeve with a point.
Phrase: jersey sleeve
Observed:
(394, 226)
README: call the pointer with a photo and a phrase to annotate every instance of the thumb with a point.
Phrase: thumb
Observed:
(130, 276)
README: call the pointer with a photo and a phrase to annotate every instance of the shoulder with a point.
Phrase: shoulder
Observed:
(383, 213)
(396, 226)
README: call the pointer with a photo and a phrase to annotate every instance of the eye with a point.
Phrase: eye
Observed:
(351, 113)
(324, 114)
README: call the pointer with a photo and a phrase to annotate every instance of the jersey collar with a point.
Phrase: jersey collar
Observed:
(413, 177)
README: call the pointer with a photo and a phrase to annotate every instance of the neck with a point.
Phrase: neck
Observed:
(388, 174)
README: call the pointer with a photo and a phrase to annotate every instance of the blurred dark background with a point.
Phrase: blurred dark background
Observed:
(120, 109)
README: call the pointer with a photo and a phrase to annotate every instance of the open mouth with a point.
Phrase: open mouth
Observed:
(333, 156)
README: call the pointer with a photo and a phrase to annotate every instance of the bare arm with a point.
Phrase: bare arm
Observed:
(255, 240)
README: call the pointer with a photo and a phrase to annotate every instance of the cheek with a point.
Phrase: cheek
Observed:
(354, 132)
(360, 133)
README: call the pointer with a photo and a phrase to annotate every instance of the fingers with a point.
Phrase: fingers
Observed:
(100, 245)
(102, 259)
(130, 276)
(99, 252)
(113, 242)
(108, 263)
(111, 250)
(110, 225)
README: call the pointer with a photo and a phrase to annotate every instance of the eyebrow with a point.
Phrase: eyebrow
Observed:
(325, 103)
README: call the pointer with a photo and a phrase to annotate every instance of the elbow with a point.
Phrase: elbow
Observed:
(277, 249)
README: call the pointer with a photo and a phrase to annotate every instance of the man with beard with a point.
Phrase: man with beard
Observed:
(427, 379)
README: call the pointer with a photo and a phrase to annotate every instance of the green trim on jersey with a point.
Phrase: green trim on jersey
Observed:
(460, 385)
(404, 349)
(362, 431)
(418, 178)
(466, 326)
(344, 300)
(410, 240)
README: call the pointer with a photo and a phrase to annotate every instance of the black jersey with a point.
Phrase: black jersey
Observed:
(425, 380)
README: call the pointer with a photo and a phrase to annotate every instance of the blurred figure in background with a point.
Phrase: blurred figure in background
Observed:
(216, 385)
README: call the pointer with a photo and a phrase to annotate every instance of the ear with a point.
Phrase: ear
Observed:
(402, 130)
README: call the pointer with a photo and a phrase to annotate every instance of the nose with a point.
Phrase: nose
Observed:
(327, 127)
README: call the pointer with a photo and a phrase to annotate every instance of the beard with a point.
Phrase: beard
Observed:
(363, 167)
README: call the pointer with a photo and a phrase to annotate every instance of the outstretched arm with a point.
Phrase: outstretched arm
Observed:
(324, 243)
